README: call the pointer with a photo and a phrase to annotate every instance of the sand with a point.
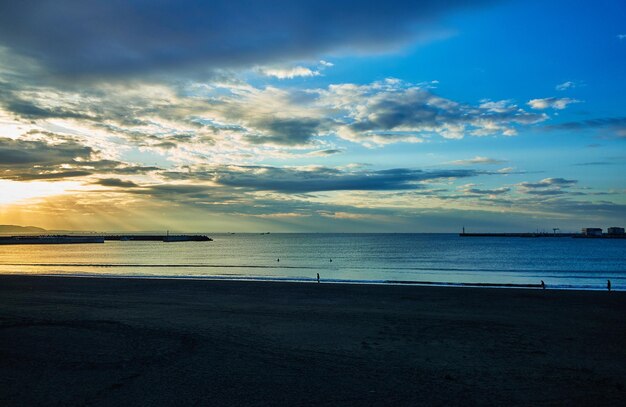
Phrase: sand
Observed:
(118, 342)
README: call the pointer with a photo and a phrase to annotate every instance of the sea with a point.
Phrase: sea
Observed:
(439, 259)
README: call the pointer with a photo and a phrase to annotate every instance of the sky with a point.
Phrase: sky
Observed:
(313, 116)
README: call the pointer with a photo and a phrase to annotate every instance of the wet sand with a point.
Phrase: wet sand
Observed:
(114, 342)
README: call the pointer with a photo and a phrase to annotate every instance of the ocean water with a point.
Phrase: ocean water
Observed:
(374, 258)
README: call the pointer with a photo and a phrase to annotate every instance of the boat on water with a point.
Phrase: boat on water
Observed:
(50, 239)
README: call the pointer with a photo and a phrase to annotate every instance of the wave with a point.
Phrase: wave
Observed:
(572, 273)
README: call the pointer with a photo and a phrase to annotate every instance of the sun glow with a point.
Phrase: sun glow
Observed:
(12, 191)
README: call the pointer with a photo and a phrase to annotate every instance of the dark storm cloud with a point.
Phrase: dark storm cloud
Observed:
(117, 36)
(318, 179)
(27, 160)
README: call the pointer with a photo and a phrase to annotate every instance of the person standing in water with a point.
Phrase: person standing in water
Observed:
(318, 277)
(608, 285)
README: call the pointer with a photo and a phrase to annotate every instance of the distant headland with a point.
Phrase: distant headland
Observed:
(18, 230)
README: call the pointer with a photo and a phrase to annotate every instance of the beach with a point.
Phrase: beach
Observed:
(168, 342)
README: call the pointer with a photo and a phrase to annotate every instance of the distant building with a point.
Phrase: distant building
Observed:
(592, 231)
(615, 231)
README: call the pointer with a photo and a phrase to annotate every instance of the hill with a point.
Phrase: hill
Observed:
(14, 229)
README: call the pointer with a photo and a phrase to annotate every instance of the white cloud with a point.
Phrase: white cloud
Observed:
(565, 86)
(506, 170)
(395, 111)
(478, 160)
(289, 73)
(551, 103)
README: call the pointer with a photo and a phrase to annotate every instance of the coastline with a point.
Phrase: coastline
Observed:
(111, 341)
(309, 280)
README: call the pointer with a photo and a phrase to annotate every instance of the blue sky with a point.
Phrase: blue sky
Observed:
(313, 116)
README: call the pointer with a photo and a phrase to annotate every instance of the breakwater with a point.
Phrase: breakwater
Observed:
(50, 239)
(546, 234)
(532, 234)
(159, 238)
(75, 239)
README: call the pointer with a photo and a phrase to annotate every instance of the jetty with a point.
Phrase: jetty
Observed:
(56, 239)
(159, 238)
(532, 234)
(586, 233)
(76, 239)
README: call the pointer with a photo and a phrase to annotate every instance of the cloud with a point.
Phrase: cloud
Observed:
(506, 170)
(192, 121)
(29, 110)
(392, 111)
(55, 159)
(617, 122)
(551, 103)
(478, 160)
(34, 153)
(115, 182)
(546, 192)
(491, 192)
(565, 86)
(289, 73)
(72, 37)
(549, 187)
(323, 153)
(593, 163)
(550, 182)
(285, 131)
(621, 36)
(317, 179)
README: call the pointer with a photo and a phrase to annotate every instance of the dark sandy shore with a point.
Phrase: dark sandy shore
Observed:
(119, 342)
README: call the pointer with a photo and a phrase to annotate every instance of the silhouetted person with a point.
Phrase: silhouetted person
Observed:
(608, 285)
(543, 285)
(318, 277)
(331, 260)
(278, 260)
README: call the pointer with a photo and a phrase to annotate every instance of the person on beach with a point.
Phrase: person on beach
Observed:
(318, 277)
(278, 260)
(608, 285)
(543, 285)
